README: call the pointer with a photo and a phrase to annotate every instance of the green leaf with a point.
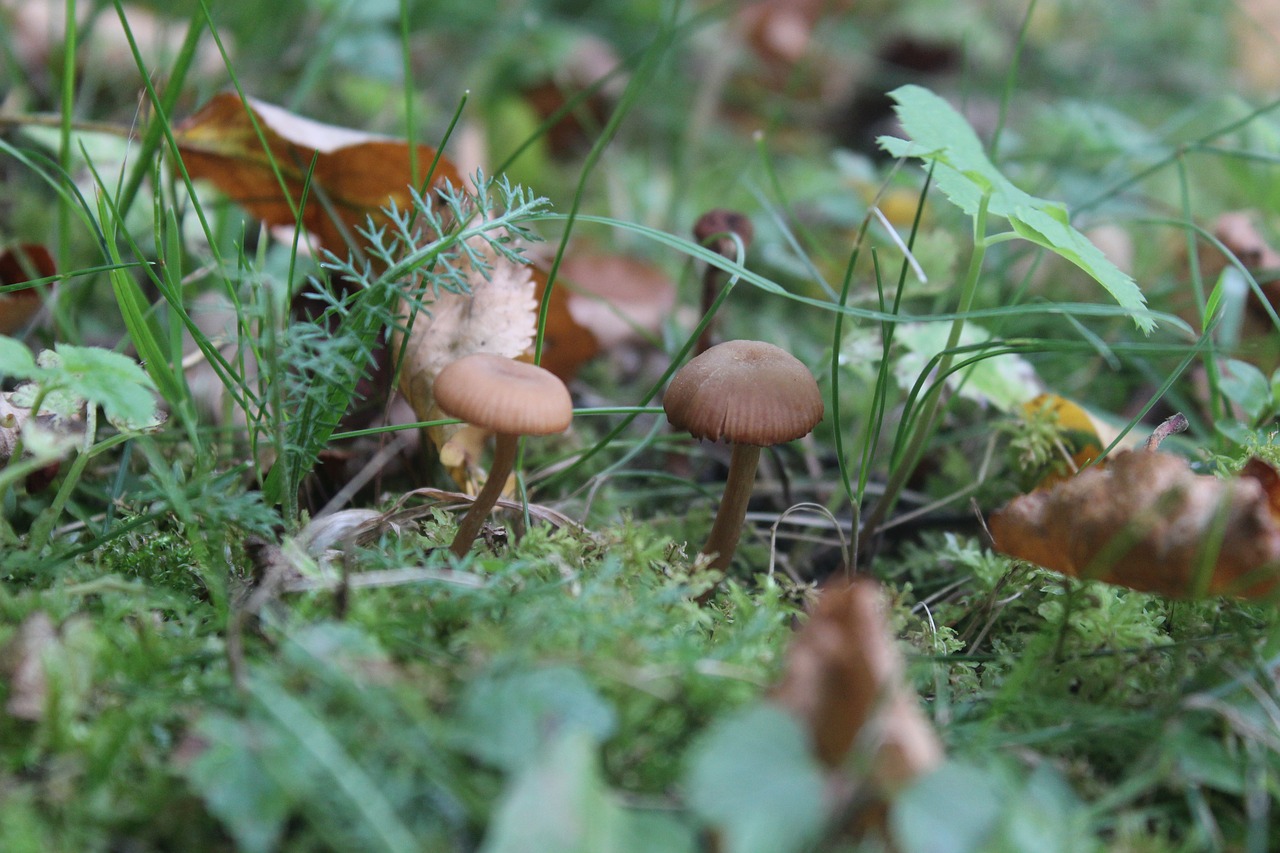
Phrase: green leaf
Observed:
(560, 803)
(1247, 387)
(1048, 227)
(333, 766)
(753, 779)
(954, 809)
(1005, 381)
(961, 808)
(232, 777)
(509, 717)
(108, 379)
(16, 361)
(964, 174)
(1044, 816)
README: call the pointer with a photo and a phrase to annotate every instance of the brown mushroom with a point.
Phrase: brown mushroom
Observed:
(715, 230)
(510, 398)
(752, 395)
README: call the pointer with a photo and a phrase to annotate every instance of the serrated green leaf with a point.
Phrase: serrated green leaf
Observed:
(16, 361)
(1041, 226)
(752, 778)
(111, 380)
(964, 174)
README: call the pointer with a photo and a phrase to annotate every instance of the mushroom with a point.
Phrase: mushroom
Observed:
(510, 398)
(714, 229)
(751, 394)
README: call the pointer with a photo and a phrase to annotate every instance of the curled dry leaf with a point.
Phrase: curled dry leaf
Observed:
(19, 265)
(356, 173)
(1145, 521)
(844, 681)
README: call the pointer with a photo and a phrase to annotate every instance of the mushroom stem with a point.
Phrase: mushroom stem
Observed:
(723, 540)
(504, 459)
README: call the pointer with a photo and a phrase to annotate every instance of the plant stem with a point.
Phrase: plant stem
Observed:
(723, 540)
(910, 457)
(504, 459)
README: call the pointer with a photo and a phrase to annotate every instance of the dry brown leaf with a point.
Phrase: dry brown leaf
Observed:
(23, 664)
(844, 681)
(566, 343)
(19, 265)
(588, 60)
(12, 419)
(357, 173)
(1239, 234)
(618, 300)
(499, 316)
(1145, 521)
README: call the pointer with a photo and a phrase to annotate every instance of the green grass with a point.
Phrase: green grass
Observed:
(210, 683)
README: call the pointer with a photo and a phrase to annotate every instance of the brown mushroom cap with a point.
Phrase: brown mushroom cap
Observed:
(503, 395)
(746, 392)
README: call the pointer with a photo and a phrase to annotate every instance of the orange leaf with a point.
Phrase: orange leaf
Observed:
(17, 266)
(356, 173)
(1147, 522)
(844, 681)
(567, 344)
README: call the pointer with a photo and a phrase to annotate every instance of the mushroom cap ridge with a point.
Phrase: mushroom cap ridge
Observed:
(503, 395)
(745, 392)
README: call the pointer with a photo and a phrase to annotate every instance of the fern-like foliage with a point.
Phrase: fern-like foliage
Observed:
(433, 245)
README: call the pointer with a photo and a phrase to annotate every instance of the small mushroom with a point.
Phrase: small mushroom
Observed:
(510, 398)
(752, 395)
(714, 229)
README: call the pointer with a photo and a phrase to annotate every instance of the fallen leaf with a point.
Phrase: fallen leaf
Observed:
(567, 343)
(843, 679)
(1238, 234)
(620, 300)
(356, 173)
(12, 419)
(584, 62)
(18, 265)
(1081, 436)
(1145, 521)
(24, 666)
